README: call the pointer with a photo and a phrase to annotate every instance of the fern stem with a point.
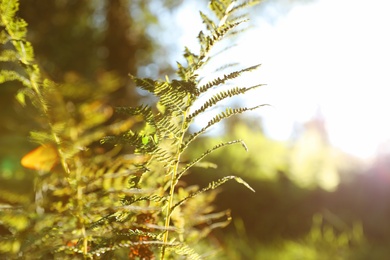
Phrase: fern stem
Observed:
(174, 174)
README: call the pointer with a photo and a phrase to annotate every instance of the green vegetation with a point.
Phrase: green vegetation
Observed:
(108, 203)
(322, 242)
(110, 172)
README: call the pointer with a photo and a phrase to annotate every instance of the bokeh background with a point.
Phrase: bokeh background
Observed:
(318, 155)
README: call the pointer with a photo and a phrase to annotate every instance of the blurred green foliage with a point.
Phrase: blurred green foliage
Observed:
(277, 220)
(322, 242)
(88, 44)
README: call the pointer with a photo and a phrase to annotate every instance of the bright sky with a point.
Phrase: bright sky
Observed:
(332, 55)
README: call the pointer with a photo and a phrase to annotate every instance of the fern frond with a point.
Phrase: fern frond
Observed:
(215, 216)
(187, 87)
(10, 75)
(41, 137)
(221, 8)
(8, 10)
(228, 65)
(25, 49)
(137, 232)
(140, 142)
(232, 75)
(100, 132)
(209, 151)
(8, 55)
(183, 72)
(219, 97)
(143, 110)
(167, 128)
(37, 100)
(191, 58)
(207, 42)
(154, 198)
(228, 113)
(245, 4)
(210, 25)
(4, 38)
(213, 185)
(173, 101)
(188, 252)
(164, 156)
(147, 84)
(98, 252)
(188, 73)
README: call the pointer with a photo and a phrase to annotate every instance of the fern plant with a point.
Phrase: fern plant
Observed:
(121, 203)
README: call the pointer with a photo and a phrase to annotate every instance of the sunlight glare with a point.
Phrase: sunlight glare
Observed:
(328, 55)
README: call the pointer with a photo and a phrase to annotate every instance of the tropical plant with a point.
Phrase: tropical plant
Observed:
(124, 197)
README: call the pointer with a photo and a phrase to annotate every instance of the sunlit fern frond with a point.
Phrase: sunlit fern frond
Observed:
(142, 110)
(142, 113)
(207, 152)
(168, 128)
(186, 251)
(223, 115)
(230, 76)
(208, 41)
(218, 219)
(141, 142)
(226, 66)
(244, 5)
(8, 56)
(11, 75)
(210, 25)
(164, 155)
(221, 7)
(191, 58)
(219, 97)
(146, 83)
(213, 185)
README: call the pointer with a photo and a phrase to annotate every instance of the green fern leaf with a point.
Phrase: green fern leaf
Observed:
(187, 251)
(10, 75)
(210, 25)
(185, 87)
(226, 66)
(8, 55)
(232, 75)
(209, 151)
(144, 110)
(183, 72)
(210, 218)
(167, 129)
(131, 138)
(213, 185)
(164, 156)
(145, 83)
(207, 42)
(218, 7)
(228, 113)
(191, 58)
(41, 137)
(219, 97)
(245, 5)
(8, 9)
(4, 37)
